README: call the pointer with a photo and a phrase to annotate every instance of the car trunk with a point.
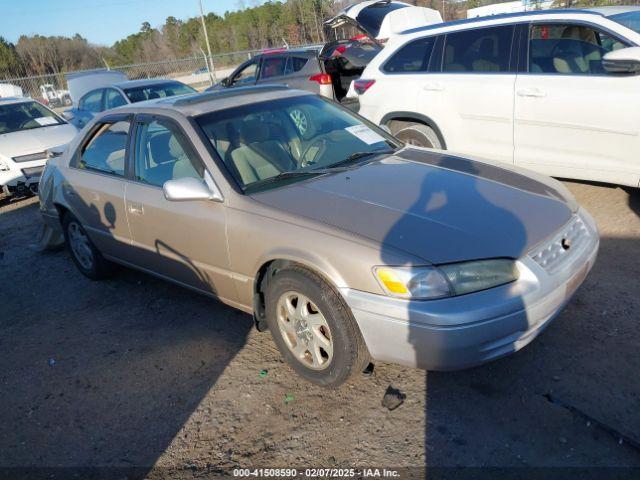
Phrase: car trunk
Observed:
(356, 35)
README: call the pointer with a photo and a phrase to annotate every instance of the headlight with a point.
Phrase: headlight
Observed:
(424, 283)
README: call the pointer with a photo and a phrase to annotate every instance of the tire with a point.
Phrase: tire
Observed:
(341, 350)
(85, 255)
(419, 135)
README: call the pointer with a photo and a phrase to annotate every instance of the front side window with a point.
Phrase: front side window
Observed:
(113, 99)
(106, 150)
(157, 90)
(414, 57)
(15, 117)
(92, 101)
(300, 136)
(481, 50)
(164, 153)
(272, 67)
(569, 49)
(247, 75)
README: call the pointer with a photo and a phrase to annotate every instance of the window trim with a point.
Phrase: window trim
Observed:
(579, 23)
(107, 120)
(133, 143)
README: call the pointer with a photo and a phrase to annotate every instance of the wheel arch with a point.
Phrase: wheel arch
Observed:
(270, 266)
(415, 117)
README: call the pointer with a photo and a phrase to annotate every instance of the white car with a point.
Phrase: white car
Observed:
(27, 130)
(556, 91)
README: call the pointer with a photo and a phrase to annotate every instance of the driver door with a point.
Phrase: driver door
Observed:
(571, 118)
(183, 241)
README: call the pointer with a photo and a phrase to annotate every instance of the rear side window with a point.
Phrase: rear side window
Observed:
(413, 57)
(569, 49)
(272, 67)
(295, 64)
(482, 50)
(113, 99)
(92, 101)
(105, 151)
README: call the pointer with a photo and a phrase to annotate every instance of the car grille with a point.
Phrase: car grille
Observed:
(32, 172)
(563, 246)
(31, 157)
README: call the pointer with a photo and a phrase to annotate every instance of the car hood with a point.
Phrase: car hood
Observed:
(434, 206)
(36, 140)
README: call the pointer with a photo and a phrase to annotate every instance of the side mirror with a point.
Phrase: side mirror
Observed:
(189, 189)
(624, 60)
(225, 82)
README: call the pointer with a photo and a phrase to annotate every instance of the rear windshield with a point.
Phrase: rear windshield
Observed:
(629, 19)
(371, 17)
(157, 90)
(26, 116)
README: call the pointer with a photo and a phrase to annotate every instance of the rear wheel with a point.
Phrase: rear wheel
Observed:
(313, 328)
(85, 255)
(419, 135)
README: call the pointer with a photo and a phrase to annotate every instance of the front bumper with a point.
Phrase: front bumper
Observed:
(460, 332)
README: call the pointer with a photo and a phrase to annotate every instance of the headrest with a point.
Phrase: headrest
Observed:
(253, 131)
(175, 148)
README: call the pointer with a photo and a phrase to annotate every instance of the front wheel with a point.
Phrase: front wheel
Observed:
(313, 328)
(419, 135)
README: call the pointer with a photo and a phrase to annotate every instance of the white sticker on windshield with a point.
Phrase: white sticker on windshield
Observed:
(364, 133)
(46, 121)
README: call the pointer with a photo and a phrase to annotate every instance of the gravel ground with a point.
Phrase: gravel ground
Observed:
(136, 372)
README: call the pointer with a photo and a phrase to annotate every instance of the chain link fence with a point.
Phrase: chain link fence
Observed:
(52, 89)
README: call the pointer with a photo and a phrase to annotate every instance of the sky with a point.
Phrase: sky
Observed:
(99, 21)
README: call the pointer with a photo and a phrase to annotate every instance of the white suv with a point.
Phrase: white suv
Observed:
(556, 91)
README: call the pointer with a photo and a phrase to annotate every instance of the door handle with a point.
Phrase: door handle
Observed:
(433, 87)
(531, 92)
(136, 209)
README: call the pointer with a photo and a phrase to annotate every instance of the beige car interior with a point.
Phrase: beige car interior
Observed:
(570, 58)
(164, 158)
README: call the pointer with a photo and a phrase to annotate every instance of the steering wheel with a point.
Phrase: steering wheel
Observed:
(321, 142)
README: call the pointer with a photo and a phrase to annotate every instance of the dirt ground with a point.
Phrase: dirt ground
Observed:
(136, 372)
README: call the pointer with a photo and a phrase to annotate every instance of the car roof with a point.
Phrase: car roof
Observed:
(309, 51)
(11, 100)
(194, 104)
(505, 16)
(614, 10)
(144, 82)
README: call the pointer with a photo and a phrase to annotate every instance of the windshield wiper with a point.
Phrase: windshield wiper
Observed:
(358, 155)
(292, 174)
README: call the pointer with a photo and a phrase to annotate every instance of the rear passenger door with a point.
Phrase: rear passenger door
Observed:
(472, 96)
(94, 185)
(572, 118)
(183, 241)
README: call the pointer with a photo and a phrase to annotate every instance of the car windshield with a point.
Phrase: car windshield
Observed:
(629, 19)
(276, 142)
(15, 117)
(157, 90)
